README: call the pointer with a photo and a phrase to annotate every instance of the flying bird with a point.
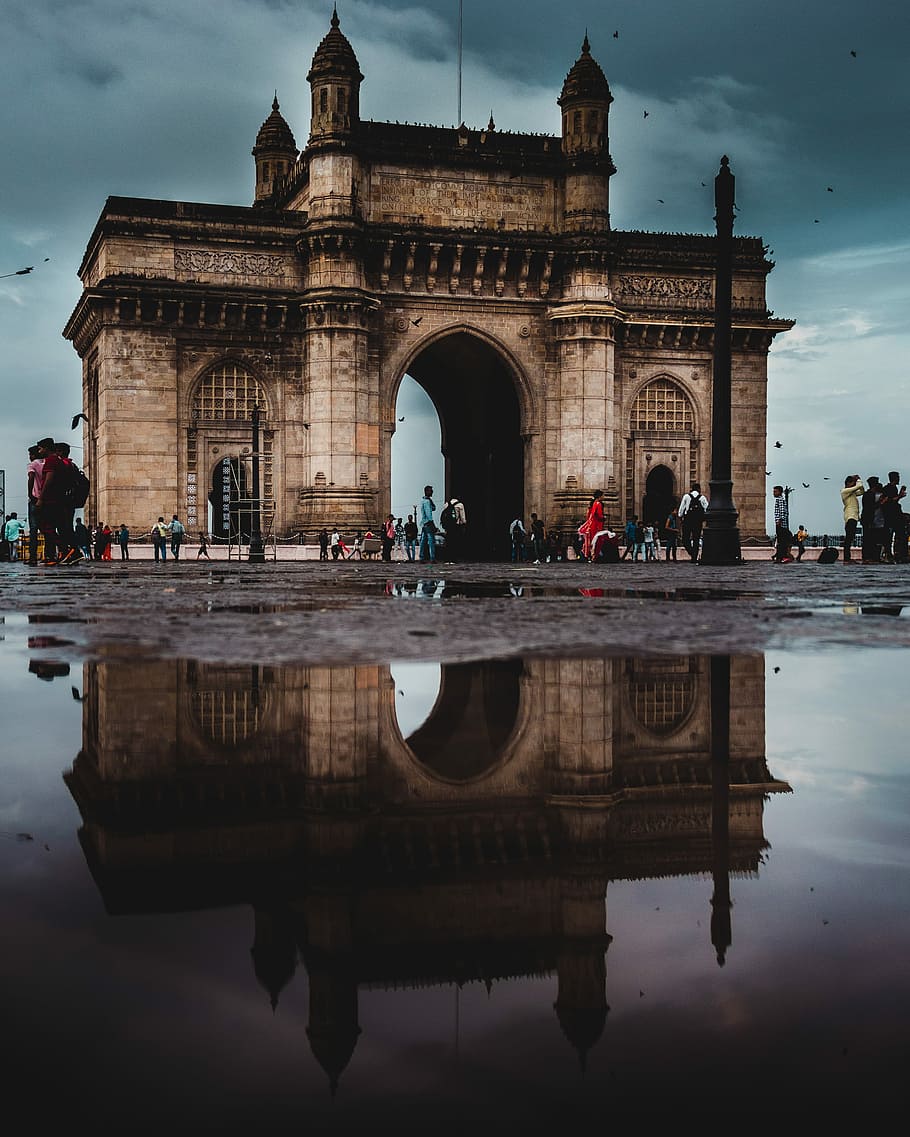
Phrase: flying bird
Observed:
(816, 220)
(826, 478)
(830, 189)
(76, 418)
(401, 419)
(767, 473)
(416, 322)
(616, 35)
(646, 114)
(76, 694)
(778, 445)
(305, 425)
(805, 485)
(661, 200)
(853, 53)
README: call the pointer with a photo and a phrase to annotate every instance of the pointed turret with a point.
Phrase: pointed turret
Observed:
(334, 79)
(275, 152)
(585, 104)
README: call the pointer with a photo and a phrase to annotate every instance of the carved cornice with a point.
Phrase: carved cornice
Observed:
(222, 262)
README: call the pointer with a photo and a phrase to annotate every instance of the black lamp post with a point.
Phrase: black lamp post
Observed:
(720, 540)
(721, 903)
(257, 552)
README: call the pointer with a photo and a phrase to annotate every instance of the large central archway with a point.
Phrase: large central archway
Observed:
(475, 397)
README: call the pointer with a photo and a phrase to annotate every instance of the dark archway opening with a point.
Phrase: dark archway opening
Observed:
(660, 497)
(472, 719)
(475, 398)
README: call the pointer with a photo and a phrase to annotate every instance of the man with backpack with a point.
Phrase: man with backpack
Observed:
(692, 512)
(177, 532)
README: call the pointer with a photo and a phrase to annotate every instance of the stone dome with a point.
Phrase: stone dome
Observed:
(334, 56)
(586, 80)
(275, 134)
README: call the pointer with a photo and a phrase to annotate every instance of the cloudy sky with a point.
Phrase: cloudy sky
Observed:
(164, 99)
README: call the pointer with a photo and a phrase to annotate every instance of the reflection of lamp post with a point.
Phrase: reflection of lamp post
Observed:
(720, 539)
(257, 553)
(721, 904)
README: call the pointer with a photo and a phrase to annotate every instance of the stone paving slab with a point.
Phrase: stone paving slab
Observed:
(306, 612)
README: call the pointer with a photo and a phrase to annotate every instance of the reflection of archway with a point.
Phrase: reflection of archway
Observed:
(480, 417)
(472, 720)
(660, 496)
(228, 703)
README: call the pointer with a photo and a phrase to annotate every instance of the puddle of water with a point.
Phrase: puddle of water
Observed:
(453, 886)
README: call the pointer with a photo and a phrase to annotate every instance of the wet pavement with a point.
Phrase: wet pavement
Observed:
(358, 847)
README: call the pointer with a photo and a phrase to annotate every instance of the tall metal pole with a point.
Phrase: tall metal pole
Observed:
(460, 26)
(720, 540)
(257, 552)
(721, 903)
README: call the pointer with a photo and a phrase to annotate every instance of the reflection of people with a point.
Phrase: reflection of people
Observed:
(48, 669)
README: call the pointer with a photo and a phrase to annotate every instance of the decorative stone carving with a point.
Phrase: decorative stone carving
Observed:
(663, 288)
(234, 264)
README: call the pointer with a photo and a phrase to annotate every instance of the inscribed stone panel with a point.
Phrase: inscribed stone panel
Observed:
(448, 199)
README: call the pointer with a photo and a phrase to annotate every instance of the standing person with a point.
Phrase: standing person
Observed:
(335, 544)
(11, 533)
(650, 554)
(592, 524)
(203, 550)
(538, 535)
(872, 521)
(459, 529)
(82, 538)
(159, 539)
(447, 525)
(517, 534)
(123, 540)
(324, 544)
(691, 512)
(388, 537)
(98, 541)
(35, 475)
(893, 518)
(399, 534)
(850, 496)
(671, 535)
(107, 538)
(51, 510)
(410, 537)
(427, 526)
(802, 535)
(177, 534)
(631, 526)
(639, 548)
(782, 535)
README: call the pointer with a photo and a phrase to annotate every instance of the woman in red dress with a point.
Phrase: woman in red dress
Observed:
(593, 524)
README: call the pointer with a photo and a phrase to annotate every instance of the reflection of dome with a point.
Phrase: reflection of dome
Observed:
(472, 720)
(662, 699)
(274, 953)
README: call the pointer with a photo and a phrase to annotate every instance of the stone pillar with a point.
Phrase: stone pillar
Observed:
(581, 417)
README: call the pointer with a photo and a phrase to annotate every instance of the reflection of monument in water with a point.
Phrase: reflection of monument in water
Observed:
(479, 849)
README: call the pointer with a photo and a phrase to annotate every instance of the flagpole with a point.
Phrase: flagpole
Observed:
(460, 25)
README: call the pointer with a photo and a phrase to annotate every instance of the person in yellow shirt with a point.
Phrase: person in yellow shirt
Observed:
(850, 496)
(802, 534)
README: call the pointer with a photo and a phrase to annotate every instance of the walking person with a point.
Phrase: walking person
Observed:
(203, 550)
(783, 538)
(592, 524)
(388, 537)
(631, 526)
(427, 526)
(801, 536)
(35, 475)
(692, 511)
(517, 534)
(159, 537)
(11, 533)
(82, 538)
(335, 544)
(850, 497)
(123, 541)
(671, 535)
(411, 534)
(177, 534)
(538, 535)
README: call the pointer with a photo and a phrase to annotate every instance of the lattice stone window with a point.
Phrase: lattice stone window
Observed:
(662, 406)
(662, 704)
(228, 393)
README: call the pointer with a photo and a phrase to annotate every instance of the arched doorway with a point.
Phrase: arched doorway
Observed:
(475, 398)
(660, 496)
